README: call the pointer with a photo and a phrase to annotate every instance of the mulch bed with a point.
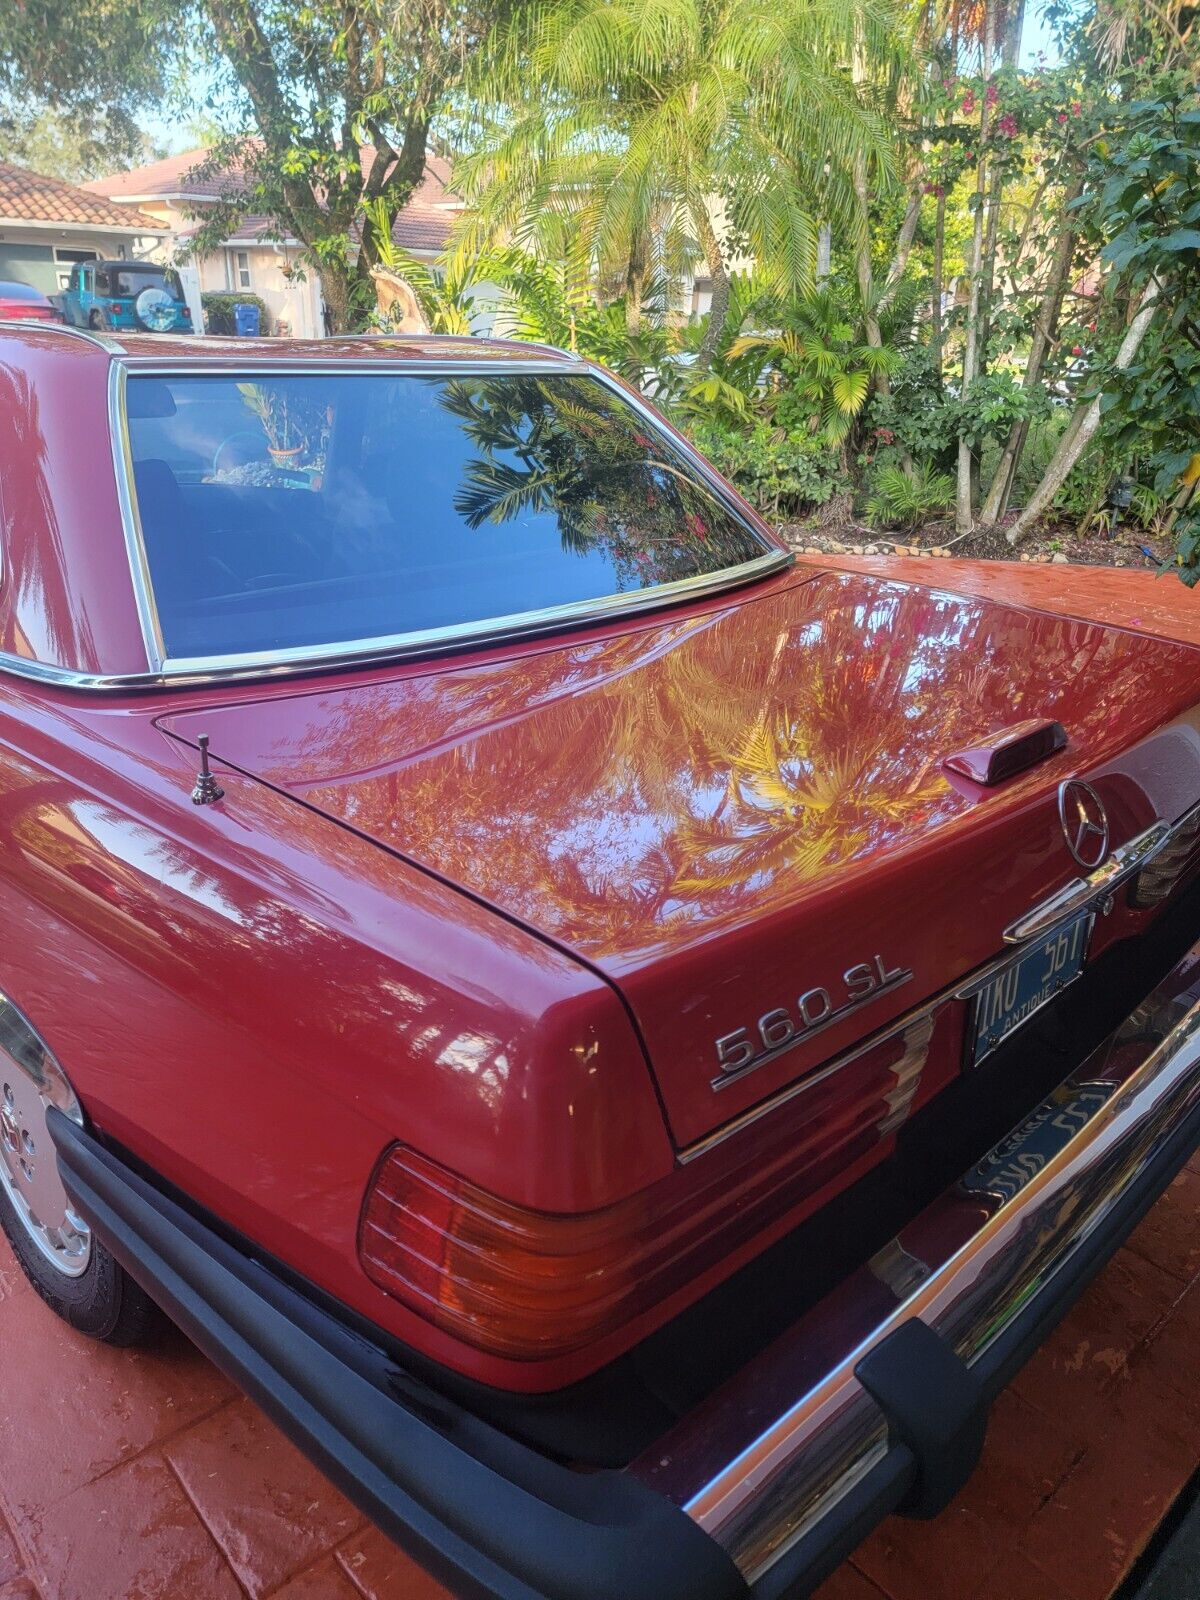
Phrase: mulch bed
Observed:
(1052, 543)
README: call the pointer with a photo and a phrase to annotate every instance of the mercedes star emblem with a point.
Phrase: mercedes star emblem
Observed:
(1084, 823)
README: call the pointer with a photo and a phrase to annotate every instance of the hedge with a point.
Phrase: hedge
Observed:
(218, 310)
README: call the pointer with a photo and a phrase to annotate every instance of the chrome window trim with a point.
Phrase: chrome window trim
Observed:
(183, 671)
(131, 522)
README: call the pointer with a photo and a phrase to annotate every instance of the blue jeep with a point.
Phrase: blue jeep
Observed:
(125, 294)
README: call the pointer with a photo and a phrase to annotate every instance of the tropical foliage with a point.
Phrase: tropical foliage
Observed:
(659, 133)
(855, 247)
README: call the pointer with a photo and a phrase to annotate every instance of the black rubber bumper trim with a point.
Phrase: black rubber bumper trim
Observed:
(895, 1481)
(934, 1404)
(489, 1518)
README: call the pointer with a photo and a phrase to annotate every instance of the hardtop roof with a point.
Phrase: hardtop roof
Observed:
(204, 349)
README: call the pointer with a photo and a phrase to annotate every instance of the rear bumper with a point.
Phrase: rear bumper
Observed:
(876, 1400)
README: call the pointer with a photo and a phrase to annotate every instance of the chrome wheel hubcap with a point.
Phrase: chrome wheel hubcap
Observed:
(29, 1172)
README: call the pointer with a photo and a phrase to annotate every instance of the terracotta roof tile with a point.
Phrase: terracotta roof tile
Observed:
(29, 197)
(424, 224)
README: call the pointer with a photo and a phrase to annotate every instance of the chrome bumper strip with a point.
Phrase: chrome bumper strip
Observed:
(779, 1448)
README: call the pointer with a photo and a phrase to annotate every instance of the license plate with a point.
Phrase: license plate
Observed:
(1025, 984)
(1017, 1159)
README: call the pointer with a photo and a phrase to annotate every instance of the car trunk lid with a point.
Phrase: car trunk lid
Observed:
(744, 815)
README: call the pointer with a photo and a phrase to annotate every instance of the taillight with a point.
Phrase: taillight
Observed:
(1156, 881)
(518, 1283)
(530, 1285)
(115, 307)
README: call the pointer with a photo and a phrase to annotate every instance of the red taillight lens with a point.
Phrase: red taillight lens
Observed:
(115, 307)
(529, 1285)
(518, 1283)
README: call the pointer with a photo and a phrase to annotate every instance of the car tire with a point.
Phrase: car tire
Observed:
(95, 321)
(56, 1249)
(104, 1301)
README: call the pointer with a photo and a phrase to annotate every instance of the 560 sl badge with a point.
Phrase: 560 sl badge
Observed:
(783, 1028)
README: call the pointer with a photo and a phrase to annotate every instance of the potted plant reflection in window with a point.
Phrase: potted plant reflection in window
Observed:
(292, 424)
(568, 448)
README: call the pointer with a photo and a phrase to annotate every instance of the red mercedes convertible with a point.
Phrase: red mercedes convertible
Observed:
(621, 1042)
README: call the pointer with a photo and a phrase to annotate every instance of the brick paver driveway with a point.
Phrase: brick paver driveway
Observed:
(145, 1476)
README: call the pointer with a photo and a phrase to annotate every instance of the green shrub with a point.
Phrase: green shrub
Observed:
(218, 307)
(899, 500)
(782, 474)
(915, 414)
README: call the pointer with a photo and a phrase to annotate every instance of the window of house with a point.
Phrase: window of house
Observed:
(241, 269)
(65, 259)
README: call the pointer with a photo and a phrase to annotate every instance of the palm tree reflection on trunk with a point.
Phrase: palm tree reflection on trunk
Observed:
(568, 448)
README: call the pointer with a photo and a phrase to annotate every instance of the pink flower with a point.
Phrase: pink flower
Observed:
(1076, 350)
(1007, 126)
(1062, 116)
(992, 95)
(968, 104)
(1091, 327)
(1076, 108)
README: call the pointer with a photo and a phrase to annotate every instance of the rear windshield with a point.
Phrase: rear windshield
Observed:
(284, 512)
(129, 282)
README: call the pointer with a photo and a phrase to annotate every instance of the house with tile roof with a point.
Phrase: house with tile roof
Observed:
(47, 226)
(254, 259)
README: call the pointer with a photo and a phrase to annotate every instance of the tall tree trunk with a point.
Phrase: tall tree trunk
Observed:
(964, 512)
(904, 244)
(335, 291)
(1043, 337)
(719, 313)
(1009, 55)
(1083, 423)
(824, 254)
(939, 280)
(635, 284)
(866, 286)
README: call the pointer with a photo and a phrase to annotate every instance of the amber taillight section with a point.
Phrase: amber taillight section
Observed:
(518, 1283)
(528, 1285)
(1155, 882)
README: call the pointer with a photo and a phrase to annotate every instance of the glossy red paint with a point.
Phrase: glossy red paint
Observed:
(722, 814)
(672, 824)
(1140, 602)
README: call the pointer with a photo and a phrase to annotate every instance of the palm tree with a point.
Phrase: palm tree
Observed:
(701, 127)
(820, 356)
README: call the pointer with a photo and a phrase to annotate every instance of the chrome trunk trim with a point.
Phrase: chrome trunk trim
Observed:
(768, 1457)
(1123, 864)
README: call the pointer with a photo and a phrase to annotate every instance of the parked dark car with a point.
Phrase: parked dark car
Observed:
(20, 302)
(620, 1040)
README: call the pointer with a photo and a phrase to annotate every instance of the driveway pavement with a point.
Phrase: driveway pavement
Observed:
(145, 1476)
